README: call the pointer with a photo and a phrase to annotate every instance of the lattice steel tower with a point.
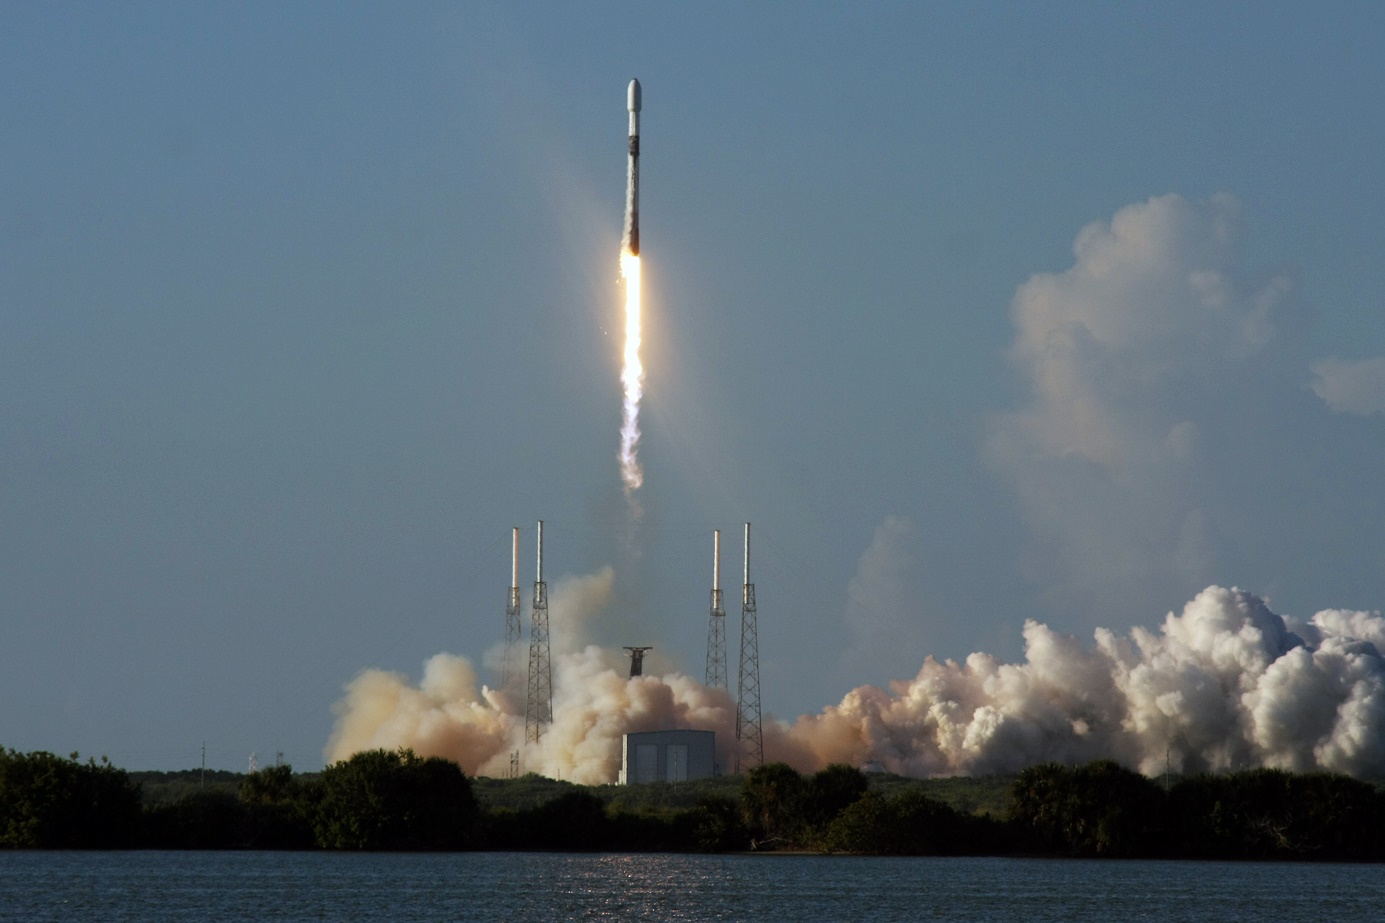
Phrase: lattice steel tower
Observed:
(539, 710)
(750, 743)
(716, 626)
(514, 630)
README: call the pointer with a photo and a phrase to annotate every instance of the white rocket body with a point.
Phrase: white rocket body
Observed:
(630, 240)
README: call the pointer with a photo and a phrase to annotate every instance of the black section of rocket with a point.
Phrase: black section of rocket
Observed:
(630, 241)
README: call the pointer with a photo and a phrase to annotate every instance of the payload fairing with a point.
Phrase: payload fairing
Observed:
(631, 239)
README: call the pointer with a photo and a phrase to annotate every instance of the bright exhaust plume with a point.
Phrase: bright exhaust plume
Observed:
(631, 378)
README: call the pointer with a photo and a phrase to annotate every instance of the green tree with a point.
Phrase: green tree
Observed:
(280, 808)
(1273, 814)
(210, 819)
(575, 820)
(382, 799)
(830, 792)
(772, 799)
(717, 826)
(909, 824)
(1344, 818)
(867, 827)
(1101, 809)
(48, 802)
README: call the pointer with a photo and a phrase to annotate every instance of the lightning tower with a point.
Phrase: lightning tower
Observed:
(716, 627)
(513, 629)
(539, 708)
(750, 743)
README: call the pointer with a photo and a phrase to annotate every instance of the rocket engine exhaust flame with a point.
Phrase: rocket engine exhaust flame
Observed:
(631, 377)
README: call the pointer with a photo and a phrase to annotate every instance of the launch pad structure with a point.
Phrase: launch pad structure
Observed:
(538, 710)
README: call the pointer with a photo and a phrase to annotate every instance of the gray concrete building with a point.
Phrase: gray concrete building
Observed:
(667, 756)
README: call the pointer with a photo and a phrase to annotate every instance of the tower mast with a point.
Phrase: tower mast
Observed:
(716, 625)
(750, 743)
(513, 628)
(539, 708)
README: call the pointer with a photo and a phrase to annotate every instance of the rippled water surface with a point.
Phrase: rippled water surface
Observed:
(167, 886)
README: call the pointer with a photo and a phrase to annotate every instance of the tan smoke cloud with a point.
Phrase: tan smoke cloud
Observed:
(449, 714)
(1225, 684)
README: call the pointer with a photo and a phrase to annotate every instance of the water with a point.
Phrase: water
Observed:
(156, 887)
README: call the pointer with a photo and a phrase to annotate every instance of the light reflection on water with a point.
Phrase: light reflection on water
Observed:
(177, 886)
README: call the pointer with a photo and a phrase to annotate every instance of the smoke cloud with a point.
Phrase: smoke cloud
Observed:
(882, 605)
(1225, 684)
(1145, 362)
(1176, 432)
(1351, 387)
(448, 713)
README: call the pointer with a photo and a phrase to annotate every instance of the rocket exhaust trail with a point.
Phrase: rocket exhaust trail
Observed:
(632, 373)
(631, 377)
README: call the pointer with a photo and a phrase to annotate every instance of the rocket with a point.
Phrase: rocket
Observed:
(630, 241)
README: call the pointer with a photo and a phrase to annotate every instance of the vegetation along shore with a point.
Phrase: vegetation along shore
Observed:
(397, 800)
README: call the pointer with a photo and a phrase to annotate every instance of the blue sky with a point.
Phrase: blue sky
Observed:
(305, 306)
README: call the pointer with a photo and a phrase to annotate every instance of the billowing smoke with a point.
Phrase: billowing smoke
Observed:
(1226, 684)
(1142, 361)
(450, 714)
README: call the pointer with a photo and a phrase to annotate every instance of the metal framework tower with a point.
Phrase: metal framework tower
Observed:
(750, 743)
(539, 708)
(716, 626)
(514, 630)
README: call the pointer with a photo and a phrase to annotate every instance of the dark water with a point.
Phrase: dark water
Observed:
(168, 886)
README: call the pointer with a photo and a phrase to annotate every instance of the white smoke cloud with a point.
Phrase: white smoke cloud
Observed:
(1351, 387)
(1225, 684)
(1142, 361)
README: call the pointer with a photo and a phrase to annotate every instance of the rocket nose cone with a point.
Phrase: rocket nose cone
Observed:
(634, 96)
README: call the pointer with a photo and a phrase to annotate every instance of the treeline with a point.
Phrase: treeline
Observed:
(381, 800)
(1103, 809)
(396, 800)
